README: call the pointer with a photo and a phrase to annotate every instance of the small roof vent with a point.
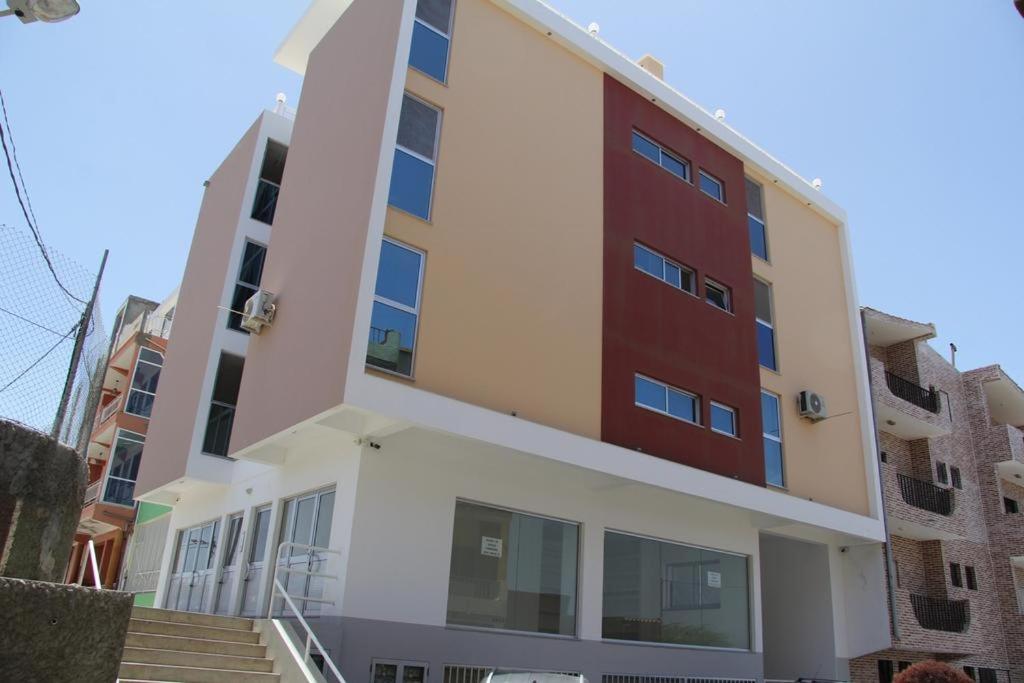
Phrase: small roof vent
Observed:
(653, 66)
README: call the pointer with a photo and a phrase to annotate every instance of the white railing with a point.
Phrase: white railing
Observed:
(278, 589)
(89, 558)
(92, 492)
(109, 410)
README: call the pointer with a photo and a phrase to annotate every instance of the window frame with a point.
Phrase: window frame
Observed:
(260, 179)
(446, 36)
(668, 387)
(955, 478)
(770, 325)
(735, 419)
(941, 472)
(131, 384)
(246, 241)
(416, 155)
(970, 577)
(956, 578)
(1010, 503)
(663, 152)
(666, 260)
(401, 307)
(726, 291)
(761, 220)
(706, 175)
(107, 476)
(778, 439)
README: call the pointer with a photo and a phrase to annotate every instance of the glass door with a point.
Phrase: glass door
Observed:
(306, 523)
(253, 579)
(191, 583)
(229, 574)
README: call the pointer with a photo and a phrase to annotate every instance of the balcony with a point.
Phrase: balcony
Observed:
(92, 493)
(925, 495)
(108, 410)
(927, 399)
(939, 614)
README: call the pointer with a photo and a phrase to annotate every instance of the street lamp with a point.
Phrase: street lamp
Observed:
(43, 10)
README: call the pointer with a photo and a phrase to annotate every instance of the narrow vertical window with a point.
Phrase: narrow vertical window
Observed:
(755, 220)
(124, 468)
(774, 472)
(954, 476)
(396, 308)
(712, 186)
(221, 417)
(885, 671)
(941, 473)
(971, 577)
(269, 185)
(431, 38)
(955, 576)
(250, 272)
(144, 383)
(412, 177)
(765, 325)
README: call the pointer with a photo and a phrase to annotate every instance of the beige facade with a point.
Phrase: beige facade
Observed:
(511, 316)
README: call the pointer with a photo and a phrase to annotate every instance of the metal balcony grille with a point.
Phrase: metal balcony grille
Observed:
(925, 495)
(928, 399)
(938, 614)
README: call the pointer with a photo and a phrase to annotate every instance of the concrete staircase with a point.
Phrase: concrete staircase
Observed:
(163, 645)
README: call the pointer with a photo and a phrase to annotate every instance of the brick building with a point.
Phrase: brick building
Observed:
(952, 455)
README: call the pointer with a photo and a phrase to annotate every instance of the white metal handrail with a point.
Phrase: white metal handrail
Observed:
(89, 557)
(278, 588)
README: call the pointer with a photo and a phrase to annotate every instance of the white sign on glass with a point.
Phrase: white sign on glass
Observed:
(491, 547)
(714, 579)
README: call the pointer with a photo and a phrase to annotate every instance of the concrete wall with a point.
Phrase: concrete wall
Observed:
(57, 633)
(42, 485)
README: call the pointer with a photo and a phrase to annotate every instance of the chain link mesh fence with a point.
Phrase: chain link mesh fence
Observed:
(38, 325)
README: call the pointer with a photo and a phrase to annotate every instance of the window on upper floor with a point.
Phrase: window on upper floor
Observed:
(250, 272)
(955, 577)
(771, 424)
(954, 477)
(661, 398)
(765, 322)
(971, 673)
(431, 38)
(124, 468)
(755, 220)
(412, 176)
(221, 417)
(269, 185)
(396, 308)
(1011, 506)
(673, 163)
(712, 186)
(987, 675)
(717, 295)
(970, 577)
(144, 382)
(942, 472)
(658, 266)
(885, 671)
(723, 419)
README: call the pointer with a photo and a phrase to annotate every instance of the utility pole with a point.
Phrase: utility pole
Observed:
(76, 353)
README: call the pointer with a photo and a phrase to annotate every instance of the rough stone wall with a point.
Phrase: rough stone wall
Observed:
(57, 633)
(42, 485)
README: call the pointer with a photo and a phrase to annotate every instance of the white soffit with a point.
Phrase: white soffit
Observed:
(1005, 401)
(320, 16)
(885, 330)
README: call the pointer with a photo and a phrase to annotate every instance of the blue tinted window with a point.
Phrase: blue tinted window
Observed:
(398, 274)
(429, 52)
(758, 239)
(723, 419)
(412, 181)
(683, 406)
(773, 462)
(673, 275)
(647, 261)
(712, 186)
(650, 394)
(766, 346)
(770, 415)
(646, 148)
(673, 165)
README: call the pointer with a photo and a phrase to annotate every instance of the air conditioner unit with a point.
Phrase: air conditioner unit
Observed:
(259, 311)
(812, 406)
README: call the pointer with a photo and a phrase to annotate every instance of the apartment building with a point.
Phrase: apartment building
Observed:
(952, 455)
(530, 397)
(110, 516)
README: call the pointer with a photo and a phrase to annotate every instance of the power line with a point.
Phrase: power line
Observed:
(41, 358)
(17, 164)
(30, 322)
(24, 211)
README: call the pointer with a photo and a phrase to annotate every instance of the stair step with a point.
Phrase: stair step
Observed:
(136, 655)
(189, 674)
(200, 645)
(193, 618)
(170, 628)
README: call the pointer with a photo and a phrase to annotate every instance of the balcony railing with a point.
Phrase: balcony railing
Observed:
(108, 410)
(939, 614)
(928, 399)
(92, 493)
(925, 495)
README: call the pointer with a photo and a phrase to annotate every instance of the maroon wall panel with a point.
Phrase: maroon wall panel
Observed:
(658, 330)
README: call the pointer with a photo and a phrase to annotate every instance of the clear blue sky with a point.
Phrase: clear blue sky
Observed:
(912, 113)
